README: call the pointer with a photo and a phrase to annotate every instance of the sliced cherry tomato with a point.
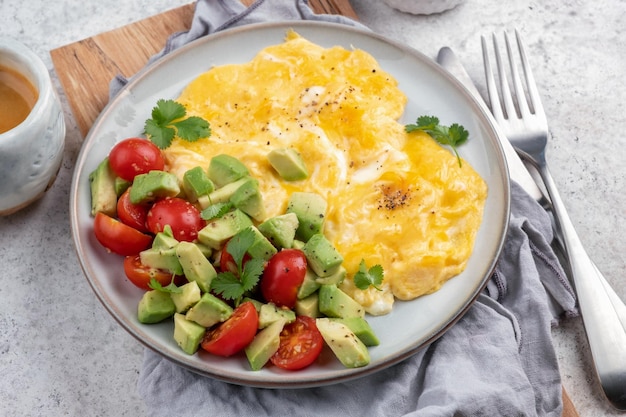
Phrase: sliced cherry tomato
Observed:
(182, 216)
(135, 156)
(300, 344)
(282, 277)
(133, 215)
(140, 274)
(118, 237)
(227, 263)
(235, 333)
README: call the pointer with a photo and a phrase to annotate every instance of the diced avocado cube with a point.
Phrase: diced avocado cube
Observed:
(222, 194)
(103, 193)
(224, 169)
(310, 208)
(209, 311)
(121, 185)
(219, 230)
(288, 163)
(264, 345)
(187, 334)
(297, 244)
(195, 265)
(248, 199)
(261, 248)
(361, 328)
(346, 346)
(162, 258)
(336, 277)
(190, 294)
(335, 303)
(152, 185)
(270, 312)
(280, 230)
(164, 239)
(322, 256)
(155, 306)
(196, 182)
(309, 284)
(308, 306)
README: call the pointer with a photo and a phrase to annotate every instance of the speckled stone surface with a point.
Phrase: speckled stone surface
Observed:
(61, 353)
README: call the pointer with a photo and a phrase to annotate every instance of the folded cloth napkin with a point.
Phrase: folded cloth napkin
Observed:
(497, 360)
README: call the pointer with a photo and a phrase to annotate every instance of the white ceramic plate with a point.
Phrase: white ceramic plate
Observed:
(430, 90)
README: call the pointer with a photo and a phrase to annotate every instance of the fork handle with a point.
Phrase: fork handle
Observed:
(605, 332)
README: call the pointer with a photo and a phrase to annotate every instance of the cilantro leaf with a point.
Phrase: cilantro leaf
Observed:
(171, 287)
(233, 286)
(365, 278)
(215, 211)
(168, 120)
(453, 136)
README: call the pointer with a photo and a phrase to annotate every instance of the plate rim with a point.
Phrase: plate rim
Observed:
(333, 377)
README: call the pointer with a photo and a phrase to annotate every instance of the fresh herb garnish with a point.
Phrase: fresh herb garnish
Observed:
(453, 136)
(233, 286)
(365, 278)
(215, 211)
(168, 120)
(171, 287)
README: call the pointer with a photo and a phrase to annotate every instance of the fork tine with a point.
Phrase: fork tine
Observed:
(492, 91)
(517, 82)
(531, 85)
(507, 98)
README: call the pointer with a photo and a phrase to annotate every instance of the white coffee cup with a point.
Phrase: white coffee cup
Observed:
(31, 152)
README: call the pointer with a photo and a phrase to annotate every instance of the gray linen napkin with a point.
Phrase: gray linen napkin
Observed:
(498, 360)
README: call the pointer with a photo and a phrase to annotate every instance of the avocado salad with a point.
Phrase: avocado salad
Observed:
(230, 278)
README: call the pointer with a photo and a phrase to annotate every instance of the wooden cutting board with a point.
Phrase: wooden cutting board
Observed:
(86, 67)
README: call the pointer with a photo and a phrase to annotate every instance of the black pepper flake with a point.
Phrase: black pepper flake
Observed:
(392, 199)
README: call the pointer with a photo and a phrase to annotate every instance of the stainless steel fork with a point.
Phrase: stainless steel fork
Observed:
(524, 122)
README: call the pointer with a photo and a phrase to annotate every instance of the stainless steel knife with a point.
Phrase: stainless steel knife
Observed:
(517, 170)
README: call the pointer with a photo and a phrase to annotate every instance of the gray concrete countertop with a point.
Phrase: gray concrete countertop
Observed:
(61, 353)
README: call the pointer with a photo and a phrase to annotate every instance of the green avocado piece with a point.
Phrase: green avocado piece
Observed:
(164, 239)
(162, 258)
(321, 256)
(222, 194)
(187, 334)
(195, 265)
(261, 248)
(219, 230)
(335, 303)
(310, 208)
(336, 277)
(152, 185)
(346, 346)
(264, 345)
(190, 294)
(209, 310)
(103, 192)
(196, 182)
(288, 163)
(270, 312)
(224, 169)
(121, 185)
(155, 306)
(309, 284)
(361, 328)
(248, 199)
(280, 230)
(308, 306)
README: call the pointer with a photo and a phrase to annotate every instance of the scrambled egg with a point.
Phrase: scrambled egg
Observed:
(395, 199)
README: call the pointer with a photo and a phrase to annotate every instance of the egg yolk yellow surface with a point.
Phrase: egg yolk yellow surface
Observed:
(395, 199)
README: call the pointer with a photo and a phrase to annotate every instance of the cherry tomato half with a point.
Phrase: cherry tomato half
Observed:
(235, 333)
(133, 215)
(182, 216)
(282, 277)
(118, 237)
(141, 275)
(134, 156)
(227, 262)
(300, 344)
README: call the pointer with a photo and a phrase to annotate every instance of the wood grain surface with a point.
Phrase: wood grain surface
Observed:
(86, 67)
